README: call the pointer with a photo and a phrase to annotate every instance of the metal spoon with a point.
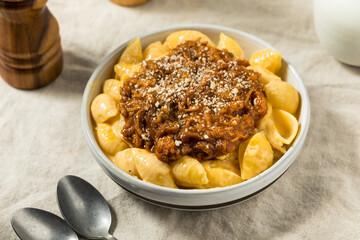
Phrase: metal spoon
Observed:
(84, 208)
(36, 224)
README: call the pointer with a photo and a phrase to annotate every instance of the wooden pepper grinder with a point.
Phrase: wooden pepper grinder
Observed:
(30, 49)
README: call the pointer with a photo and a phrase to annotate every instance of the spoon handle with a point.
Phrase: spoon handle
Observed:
(110, 237)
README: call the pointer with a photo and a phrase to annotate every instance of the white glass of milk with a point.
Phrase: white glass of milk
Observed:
(337, 24)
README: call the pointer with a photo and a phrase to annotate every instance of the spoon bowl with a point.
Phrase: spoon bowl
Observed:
(84, 208)
(36, 224)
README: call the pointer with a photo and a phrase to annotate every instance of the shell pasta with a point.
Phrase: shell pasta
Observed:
(233, 140)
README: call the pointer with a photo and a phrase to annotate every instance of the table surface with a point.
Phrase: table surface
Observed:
(41, 138)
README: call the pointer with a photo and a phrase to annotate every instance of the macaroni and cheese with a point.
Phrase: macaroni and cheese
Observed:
(187, 114)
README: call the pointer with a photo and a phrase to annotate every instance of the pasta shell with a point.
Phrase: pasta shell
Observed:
(124, 161)
(268, 59)
(266, 76)
(282, 95)
(112, 88)
(151, 169)
(103, 107)
(126, 70)
(267, 125)
(155, 50)
(255, 156)
(174, 39)
(232, 46)
(220, 177)
(132, 53)
(222, 164)
(117, 124)
(231, 157)
(285, 124)
(188, 172)
(108, 141)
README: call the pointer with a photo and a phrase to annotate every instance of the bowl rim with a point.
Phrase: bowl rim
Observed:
(100, 156)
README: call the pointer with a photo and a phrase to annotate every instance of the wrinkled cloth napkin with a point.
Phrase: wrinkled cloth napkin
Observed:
(41, 138)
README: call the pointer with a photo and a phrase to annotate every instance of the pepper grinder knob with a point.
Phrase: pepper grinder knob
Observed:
(30, 48)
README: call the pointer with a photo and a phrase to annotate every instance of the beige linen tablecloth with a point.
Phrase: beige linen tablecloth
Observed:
(41, 138)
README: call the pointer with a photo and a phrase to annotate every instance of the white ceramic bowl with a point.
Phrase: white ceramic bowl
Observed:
(194, 199)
